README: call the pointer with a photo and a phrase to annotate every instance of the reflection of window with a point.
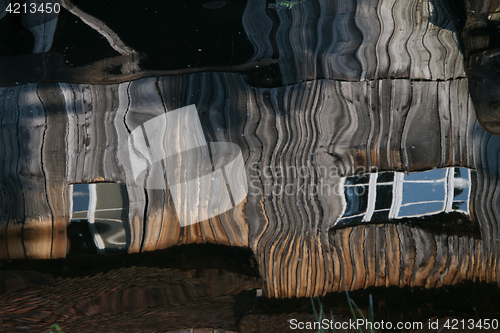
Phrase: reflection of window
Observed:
(103, 208)
(377, 197)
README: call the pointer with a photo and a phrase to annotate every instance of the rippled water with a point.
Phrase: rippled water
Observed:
(224, 166)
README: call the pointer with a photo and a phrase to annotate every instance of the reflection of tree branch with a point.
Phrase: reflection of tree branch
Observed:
(114, 41)
(99, 71)
(99, 26)
(50, 67)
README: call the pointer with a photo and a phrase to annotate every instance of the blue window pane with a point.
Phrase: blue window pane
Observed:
(460, 194)
(80, 197)
(421, 209)
(461, 173)
(421, 192)
(461, 205)
(426, 175)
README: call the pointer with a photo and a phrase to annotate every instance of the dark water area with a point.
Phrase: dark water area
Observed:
(185, 257)
(177, 34)
(249, 166)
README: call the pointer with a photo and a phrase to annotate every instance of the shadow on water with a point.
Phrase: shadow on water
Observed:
(185, 257)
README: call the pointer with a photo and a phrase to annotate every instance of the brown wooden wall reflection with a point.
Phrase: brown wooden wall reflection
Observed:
(326, 132)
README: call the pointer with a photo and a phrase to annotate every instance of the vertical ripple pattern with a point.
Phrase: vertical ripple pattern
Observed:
(359, 40)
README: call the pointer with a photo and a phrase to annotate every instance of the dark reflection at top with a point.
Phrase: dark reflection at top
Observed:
(171, 34)
(108, 36)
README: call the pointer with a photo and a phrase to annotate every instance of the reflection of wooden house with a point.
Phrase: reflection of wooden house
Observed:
(378, 87)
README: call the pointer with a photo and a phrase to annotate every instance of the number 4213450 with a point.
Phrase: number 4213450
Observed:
(32, 8)
(461, 324)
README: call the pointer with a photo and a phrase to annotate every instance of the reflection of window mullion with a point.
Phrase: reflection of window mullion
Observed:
(468, 192)
(420, 203)
(344, 203)
(70, 203)
(110, 219)
(426, 181)
(397, 195)
(372, 196)
(341, 186)
(92, 203)
(351, 216)
(107, 209)
(449, 189)
(91, 218)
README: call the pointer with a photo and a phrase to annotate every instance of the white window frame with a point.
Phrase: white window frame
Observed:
(397, 195)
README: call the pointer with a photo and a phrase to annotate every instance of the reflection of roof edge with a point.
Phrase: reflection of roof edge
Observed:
(93, 73)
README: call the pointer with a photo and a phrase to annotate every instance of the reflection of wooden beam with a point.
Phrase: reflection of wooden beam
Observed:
(99, 26)
(55, 166)
(25, 69)
(114, 41)
(43, 214)
(484, 84)
(36, 232)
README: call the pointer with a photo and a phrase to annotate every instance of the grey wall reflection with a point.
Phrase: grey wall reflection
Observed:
(393, 98)
(91, 124)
